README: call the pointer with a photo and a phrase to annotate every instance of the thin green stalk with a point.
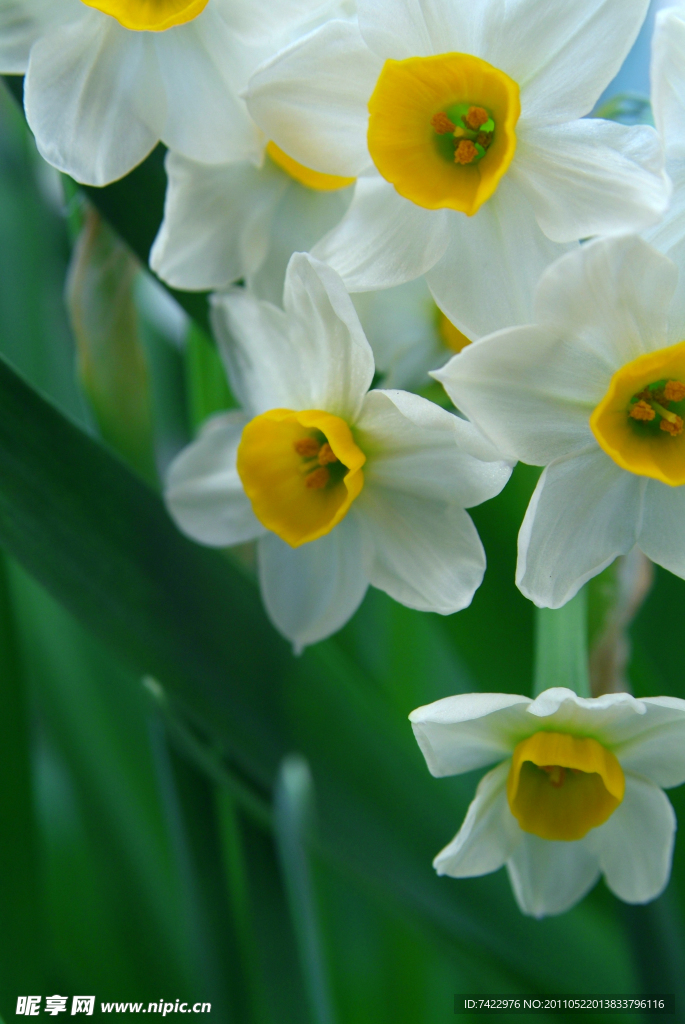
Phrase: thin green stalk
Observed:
(561, 655)
(237, 884)
(209, 760)
(294, 824)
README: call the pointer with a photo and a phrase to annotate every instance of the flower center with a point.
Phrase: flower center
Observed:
(301, 471)
(639, 422)
(150, 15)
(451, 337)
(305, 175)
(468, 136)
(441, 129)
(561, 786)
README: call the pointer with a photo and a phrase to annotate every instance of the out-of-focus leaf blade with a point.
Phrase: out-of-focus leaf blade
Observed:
(22, 936)
(103, 544)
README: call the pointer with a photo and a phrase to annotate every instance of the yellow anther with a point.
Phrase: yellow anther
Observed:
(556, 774)
(642, 411)
(465, 153)
(672, 428)
(326, 455)
(674, 391)
(318, 479)
(442, 123)
(475, 118)
(307, 447)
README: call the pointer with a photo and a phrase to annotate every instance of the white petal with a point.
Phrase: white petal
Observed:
(662, 537)
(335, 359)
(203, 490)
(635, 846)
(423, 552)
(313, 356)
(416, 448)
(668, 236)
(253, 342)
(668, 79)
(657, 750)
(487, 277)
(216, 222)
(585, 512)
(531, 390)
(302, 216)
(592, 177)
(206, 120)
(563, 55)
(384, 240)
(418, 29)
(94, 98)
(470, 730)
(613, 295)
(401, 325)
(24, 21)
(613, 719)
(311, 591)
(311, 99)
(550, 877)
(489, 834)
(254, 19)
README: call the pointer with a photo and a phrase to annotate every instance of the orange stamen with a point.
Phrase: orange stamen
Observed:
(465, 153)
(442, 123)
(476, 117)
(318, 479)
(326, 455)
(307, 447)
(672, 428)
(674, 391)
(642, 411)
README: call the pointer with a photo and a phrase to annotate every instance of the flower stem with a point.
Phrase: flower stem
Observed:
(561, 657)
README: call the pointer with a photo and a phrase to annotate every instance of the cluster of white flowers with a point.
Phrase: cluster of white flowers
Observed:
(376, 189)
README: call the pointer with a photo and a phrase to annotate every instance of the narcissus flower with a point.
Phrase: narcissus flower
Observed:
(463, 122)
(106, 80)
(343, 487)
(594, 390)
(577, 791)
(226, 222)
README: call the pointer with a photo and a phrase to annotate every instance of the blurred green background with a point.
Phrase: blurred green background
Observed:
(187, 811)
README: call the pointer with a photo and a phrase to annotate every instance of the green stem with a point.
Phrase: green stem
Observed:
(294, 819)
(561, 656)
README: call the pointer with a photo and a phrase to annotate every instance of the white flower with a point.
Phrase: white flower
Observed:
(593, 390)
(106, 80)
(226, 222)
(346, 487)
(399, 98)
(577, 791)
(243, 220)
